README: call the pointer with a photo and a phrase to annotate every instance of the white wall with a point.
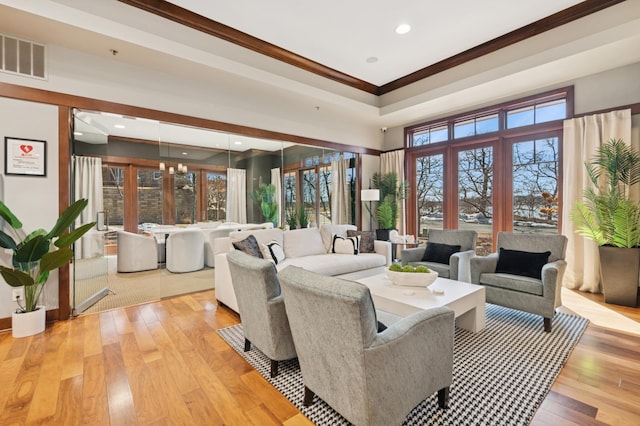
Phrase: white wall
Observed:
(34, 200)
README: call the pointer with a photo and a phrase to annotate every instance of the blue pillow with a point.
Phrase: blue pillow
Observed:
(523, 263)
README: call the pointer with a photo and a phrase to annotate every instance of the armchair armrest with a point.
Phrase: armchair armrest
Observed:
(552, 274)
(414, 363)
(460, 265)
(383, 248)
(411, 255)
(482, 264)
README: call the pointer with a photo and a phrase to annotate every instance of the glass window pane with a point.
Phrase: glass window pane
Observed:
(439, 134)
(309, 184)
(216, 196)
(475, 195)
(463, 129)
(290, 198)
(325, 195)
(549, 111)
(535, 186)
(185, 197)
(487, 124)
(149, 196)
(430, 192)
(113, 194)
(520, 117)
(421, 138)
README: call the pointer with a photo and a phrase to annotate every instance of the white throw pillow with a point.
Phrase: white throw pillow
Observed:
(345, 245)
(272, 251)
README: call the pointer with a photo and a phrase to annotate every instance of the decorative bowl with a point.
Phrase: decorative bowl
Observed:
(412, 279)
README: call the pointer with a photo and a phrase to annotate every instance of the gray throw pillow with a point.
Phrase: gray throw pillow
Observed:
(366, 240)
(250, 246)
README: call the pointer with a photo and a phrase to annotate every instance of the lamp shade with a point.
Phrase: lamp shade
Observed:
(369, 195)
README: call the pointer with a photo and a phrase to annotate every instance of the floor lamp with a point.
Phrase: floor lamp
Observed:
(370, 195)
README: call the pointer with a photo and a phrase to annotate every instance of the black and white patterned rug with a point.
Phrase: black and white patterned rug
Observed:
(500, 374)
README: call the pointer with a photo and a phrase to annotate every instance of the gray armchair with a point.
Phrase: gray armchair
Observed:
(261, 307)
(370, 378)
(458, 266)
(537, 296)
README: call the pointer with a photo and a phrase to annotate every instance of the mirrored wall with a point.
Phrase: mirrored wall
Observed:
(151, 178)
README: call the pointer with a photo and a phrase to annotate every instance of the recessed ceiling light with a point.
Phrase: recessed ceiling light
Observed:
(78, 133)
(372, 59)
(119, 126)
(403, 28)
(237, 143)
(184, 153)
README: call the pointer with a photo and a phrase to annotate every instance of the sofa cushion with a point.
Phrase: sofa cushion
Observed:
(524, 263)
(272, 251)
(249, 245)
(303, 242)
(329, 230)
(335, 264)
(439, 253)
(366, 240)
(345, 245)
(517, 283)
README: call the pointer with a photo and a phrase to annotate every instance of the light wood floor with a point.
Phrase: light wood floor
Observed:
(163, 363)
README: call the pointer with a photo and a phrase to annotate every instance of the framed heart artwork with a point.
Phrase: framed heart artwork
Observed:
(25, 157)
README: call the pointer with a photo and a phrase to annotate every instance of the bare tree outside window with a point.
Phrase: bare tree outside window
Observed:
(535, 185)
(216, 196)
(430, 192)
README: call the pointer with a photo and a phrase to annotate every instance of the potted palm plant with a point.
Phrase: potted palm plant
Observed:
(265, 197)
(610, 218)
(35, 255)
(391, 194)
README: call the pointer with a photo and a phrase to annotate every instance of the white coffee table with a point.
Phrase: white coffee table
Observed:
(467, 300)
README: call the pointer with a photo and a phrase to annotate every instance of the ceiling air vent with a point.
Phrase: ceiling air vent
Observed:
(22, 57)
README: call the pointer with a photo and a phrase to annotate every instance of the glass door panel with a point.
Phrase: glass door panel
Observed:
(475, 195)
(535, 186)
(430, 193)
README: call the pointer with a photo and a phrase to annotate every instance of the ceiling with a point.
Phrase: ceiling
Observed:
(343, 35)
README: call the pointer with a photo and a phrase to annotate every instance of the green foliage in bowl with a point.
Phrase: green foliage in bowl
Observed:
(396, 267)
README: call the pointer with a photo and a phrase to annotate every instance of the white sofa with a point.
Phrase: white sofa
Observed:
(308, 248)
(223, 230)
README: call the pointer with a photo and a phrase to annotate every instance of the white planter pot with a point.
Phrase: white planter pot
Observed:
(28, 323)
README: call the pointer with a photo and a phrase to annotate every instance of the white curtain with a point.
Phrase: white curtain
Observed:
(237, 195)
(340, 192)
(88, 184)
(277, 182)
(581, 139)
(393, 161)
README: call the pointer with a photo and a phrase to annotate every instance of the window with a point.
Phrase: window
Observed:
(430, 192)
(216, 196)
(113, 193)
(497, 169)
(149, 196)
(537, 113)
(185, 193)
(432, 134)
(535, 185)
